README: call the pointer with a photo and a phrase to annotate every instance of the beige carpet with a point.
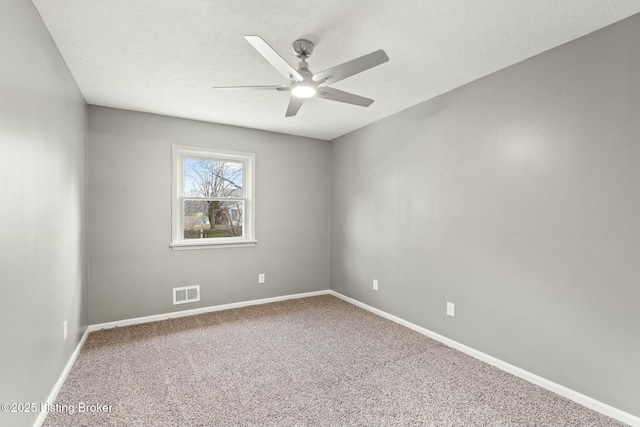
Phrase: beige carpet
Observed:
(310, 362)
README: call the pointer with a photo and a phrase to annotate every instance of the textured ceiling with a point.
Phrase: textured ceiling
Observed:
(163, 56)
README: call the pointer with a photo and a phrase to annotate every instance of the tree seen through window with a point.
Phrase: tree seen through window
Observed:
(213, 203)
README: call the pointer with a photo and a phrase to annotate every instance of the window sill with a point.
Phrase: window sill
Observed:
(187, 246)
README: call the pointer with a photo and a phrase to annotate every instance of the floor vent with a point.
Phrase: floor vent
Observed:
(186, 294)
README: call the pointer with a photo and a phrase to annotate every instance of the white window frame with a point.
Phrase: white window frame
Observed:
(178, 242)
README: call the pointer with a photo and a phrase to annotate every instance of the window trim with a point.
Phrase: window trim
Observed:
(179, 152)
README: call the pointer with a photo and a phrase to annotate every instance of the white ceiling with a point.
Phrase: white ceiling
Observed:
(163, 56)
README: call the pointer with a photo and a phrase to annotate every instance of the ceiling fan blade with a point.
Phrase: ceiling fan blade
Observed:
(272, 87)
(349, 68)
(294, 105)
(341, 96)
(274, 58)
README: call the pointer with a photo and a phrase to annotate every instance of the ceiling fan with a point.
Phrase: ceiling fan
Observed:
(305, 84)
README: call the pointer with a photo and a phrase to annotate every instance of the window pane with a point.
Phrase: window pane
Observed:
(213, 178)
(205, 219)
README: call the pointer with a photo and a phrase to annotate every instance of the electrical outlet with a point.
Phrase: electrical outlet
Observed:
(375, 284)
(451, 309)
(64, 330)
(261, 278)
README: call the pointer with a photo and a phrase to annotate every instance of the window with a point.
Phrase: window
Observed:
(213, 198)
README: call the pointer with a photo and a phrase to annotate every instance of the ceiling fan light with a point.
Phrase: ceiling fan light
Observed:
(303, 91)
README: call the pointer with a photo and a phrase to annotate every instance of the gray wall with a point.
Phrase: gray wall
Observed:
(133, 270)
(517, 197)
(43, 279)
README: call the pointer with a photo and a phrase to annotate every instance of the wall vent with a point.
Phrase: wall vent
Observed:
(186, 294)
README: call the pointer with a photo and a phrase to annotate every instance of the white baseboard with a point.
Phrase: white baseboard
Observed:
(580, 398)
(63, 376)
(192, 312)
